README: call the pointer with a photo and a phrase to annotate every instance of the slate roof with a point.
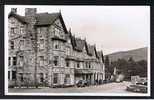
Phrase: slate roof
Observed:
(46, 18)
(90, 49)
(41, 19)
(18, 17)
(77, 43)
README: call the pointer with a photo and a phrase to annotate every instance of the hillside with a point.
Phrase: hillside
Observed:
(137, 54)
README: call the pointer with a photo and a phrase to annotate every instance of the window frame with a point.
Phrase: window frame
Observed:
(14, 61)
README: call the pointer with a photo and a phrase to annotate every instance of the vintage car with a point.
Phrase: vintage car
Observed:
(82, 83)
(141, 88)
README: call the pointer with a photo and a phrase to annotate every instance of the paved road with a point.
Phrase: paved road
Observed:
(105, 88)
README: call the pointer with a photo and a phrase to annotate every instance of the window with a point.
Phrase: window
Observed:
(41, 60)
(67, 63)
(67, 79)
(56, 45)
(55, 79)
(68, 51)
(78, 64)
(9, 75)
(41, 43)
(21, 44)
(86, 64)
(21, 60)
(55, 61)
(12, 30)
(21, 29)
(12, 44)
(14, 60)
(89, 65)
(41, 77)
(39, 30)
(14, 75)
(58, 32)
(21, 77)
(9, 61)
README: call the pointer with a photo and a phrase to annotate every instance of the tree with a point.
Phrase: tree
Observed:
(141, 68)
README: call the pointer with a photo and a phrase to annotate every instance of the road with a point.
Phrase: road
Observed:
(105, 88)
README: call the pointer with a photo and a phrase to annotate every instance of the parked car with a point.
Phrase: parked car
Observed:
(137, 88)
(82, 83)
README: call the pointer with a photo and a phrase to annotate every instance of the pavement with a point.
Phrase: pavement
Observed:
(104, 88)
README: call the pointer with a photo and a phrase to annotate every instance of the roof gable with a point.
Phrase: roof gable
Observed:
(22, 19)
(48, 19)
(42, 19)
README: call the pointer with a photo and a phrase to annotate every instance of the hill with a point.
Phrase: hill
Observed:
(137, 54)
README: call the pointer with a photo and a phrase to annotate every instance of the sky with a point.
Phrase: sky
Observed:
(110, 28)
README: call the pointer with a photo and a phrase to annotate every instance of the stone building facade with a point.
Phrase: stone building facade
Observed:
(43, 52)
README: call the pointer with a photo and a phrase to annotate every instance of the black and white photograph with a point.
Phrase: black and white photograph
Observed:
(77, 50)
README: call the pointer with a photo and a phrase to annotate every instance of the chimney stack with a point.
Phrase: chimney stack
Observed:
(14, 10)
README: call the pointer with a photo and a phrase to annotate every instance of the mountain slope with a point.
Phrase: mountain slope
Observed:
(137, 54)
